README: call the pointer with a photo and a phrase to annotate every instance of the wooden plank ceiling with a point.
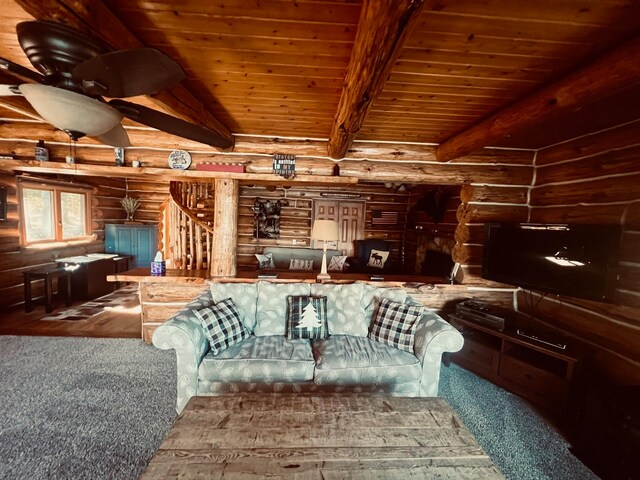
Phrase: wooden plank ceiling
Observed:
(277, 67)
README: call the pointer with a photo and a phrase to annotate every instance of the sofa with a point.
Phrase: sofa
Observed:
(282, 257)
(265, 360)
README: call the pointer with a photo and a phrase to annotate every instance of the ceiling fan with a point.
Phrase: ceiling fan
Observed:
(74, 73)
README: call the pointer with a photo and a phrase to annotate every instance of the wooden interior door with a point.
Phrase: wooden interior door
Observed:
(350, 218)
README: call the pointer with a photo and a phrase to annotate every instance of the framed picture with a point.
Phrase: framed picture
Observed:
(266, 219)
(3, 203)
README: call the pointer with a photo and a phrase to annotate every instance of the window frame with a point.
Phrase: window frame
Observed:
(57, 189)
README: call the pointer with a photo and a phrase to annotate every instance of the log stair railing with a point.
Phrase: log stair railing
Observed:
(187, 225)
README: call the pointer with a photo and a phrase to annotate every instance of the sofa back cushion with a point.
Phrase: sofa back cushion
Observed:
(271, 314)
(371, 298)
(345, 309)
(282, 256)
(244, 296)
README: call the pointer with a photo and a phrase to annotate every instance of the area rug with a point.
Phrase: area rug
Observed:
(124, 297)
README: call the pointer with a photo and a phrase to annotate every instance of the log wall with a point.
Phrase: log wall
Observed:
(595, 179)
(496, 179)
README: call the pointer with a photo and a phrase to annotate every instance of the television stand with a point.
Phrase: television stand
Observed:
(535, 369)
(536, 337)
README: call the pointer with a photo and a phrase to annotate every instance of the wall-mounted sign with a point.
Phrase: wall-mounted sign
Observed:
(179, 159)
(284, 165)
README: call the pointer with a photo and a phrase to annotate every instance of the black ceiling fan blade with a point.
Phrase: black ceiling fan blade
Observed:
(127, 73)
(20, 71)
(169, 124)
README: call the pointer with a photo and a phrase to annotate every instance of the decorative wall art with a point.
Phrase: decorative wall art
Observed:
(266, 219)
(284, 165)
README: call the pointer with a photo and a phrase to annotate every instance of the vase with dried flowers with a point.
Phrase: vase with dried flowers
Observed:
(130, 206)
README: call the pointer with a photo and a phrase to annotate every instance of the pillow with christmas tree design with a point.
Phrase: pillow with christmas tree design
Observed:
(307, 317)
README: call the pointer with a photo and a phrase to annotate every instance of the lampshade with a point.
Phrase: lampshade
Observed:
(116, 137)
(71, 111)
(327, 230)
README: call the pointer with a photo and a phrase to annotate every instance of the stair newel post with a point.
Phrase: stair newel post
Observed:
(225, 228)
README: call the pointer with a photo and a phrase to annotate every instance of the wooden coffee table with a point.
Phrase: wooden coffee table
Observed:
(319, 437)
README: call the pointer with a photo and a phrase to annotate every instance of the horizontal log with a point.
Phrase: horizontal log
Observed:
(608, 214)
(494, 194)
(444, 297)
(591, 144)
(167, 292)
(603, 190)
(478, 213)
(615, 162)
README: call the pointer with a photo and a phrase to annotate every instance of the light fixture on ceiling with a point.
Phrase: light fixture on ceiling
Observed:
(76, 114)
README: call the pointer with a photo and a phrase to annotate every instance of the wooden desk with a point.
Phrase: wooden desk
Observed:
(319, 437)
(48, 275)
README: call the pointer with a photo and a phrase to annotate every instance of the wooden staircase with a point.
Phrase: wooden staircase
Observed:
(187, 225)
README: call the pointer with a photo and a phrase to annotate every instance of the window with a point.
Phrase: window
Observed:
(53, 212)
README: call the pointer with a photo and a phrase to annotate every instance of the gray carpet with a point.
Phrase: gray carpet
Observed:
(76, 408)
(516, 437)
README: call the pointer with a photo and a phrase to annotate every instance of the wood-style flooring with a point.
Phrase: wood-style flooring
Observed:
(124, 323)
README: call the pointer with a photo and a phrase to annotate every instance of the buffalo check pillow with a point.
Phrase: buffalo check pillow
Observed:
(222, 325)
(395, 324)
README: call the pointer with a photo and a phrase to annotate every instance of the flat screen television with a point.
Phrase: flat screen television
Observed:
(573, 260)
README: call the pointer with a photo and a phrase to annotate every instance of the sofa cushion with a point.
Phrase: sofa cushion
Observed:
(245, 297)
(188, 312)
(265, 262)
(349, 360)
(377, 259)
(395, 324)
(301, 264)
(371, 298)
(271, 315)
(260, 359)
(345, 310)
(337, 263)
(307, 317)
(222, 325)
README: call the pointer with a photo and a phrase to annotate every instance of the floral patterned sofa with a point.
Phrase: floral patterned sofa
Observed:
(346, 361)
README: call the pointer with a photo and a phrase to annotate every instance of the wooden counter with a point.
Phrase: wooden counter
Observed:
(173, 276)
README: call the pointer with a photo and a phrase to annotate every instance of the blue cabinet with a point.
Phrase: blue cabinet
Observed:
(139, 241)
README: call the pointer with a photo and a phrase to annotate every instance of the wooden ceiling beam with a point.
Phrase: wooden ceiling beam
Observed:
(97, 20)
(382, 31)
(612, 73)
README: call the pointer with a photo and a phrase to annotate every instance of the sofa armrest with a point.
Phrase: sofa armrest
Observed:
(434, 336)
(184, 333)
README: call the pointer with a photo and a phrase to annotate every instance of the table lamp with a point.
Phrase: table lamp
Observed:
(327, 231)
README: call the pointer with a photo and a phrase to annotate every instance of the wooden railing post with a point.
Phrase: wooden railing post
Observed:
(225, 228)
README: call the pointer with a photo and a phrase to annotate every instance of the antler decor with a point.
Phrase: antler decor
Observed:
(130, 206)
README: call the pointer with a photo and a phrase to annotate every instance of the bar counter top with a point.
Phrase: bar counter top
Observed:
(202, 276)
(174, 275)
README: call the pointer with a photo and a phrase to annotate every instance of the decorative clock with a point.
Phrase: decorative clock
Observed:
(179, 159)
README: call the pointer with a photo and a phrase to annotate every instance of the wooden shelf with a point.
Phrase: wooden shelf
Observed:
(92, 170)
(541, 373)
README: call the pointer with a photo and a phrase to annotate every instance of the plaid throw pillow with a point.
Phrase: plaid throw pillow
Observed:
(222, 325)
(307, 317)
(395, 324)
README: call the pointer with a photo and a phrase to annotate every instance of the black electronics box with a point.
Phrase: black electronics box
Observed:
(482, 313)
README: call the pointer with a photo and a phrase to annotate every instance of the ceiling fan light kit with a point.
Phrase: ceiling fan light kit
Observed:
(74, 72)
(70, 111)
